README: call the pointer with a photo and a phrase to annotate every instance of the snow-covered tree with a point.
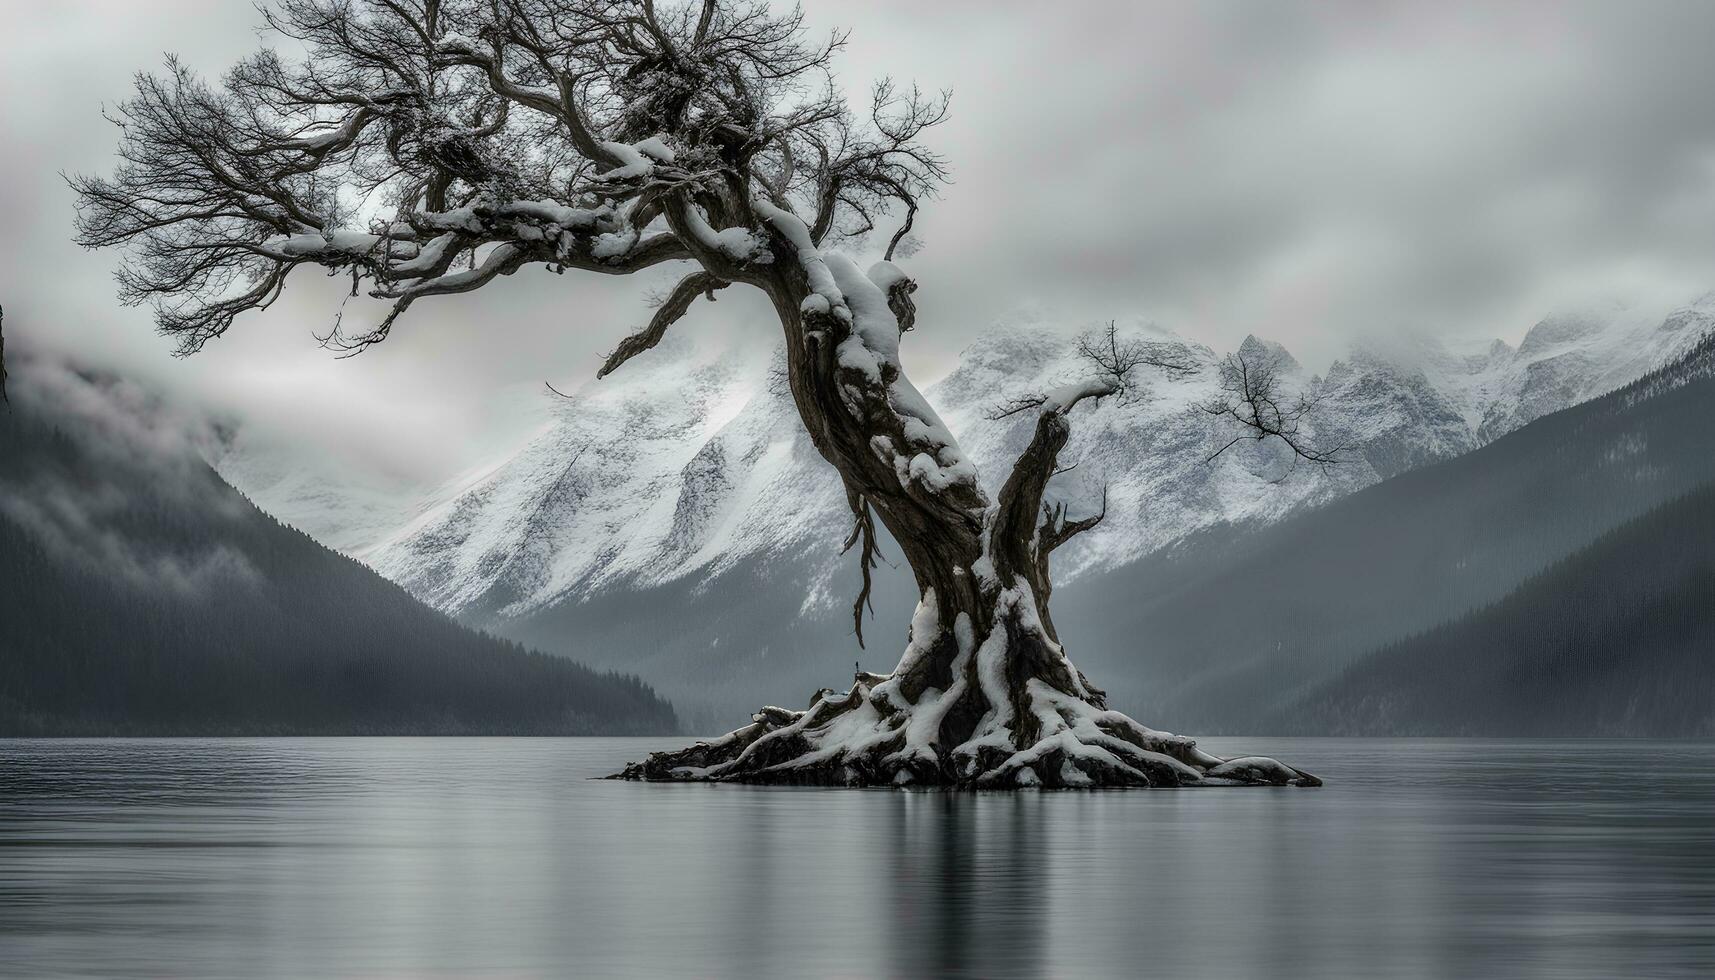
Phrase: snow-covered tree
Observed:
(428, 147)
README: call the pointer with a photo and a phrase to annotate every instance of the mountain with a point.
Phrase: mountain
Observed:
(142, 595)
(1232, 624)
(1617, 639)
(675, 520)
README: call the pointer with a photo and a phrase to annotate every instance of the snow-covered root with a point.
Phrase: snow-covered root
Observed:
(1008, 712)
(857, 738)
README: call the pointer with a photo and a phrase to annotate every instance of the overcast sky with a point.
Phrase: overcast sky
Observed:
(1312, 173)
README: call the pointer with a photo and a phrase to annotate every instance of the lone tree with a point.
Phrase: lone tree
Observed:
(427, 147)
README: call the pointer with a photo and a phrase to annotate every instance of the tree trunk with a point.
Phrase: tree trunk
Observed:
(984, 695)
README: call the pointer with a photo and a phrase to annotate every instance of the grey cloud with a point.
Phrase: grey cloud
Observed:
(1310, 172)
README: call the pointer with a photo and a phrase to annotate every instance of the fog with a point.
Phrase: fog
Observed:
(123, 455)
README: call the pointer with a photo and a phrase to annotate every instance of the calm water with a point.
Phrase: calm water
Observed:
(480, 857)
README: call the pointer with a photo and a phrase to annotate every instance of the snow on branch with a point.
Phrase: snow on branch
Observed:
(414, 139)
(1111, 364)
(898, 286)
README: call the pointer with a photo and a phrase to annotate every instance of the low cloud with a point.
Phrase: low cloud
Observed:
(108, 478)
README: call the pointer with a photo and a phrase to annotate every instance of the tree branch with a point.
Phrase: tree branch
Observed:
(1056, 530)
(1019, 506)
(1111, 363)
(863, 533)
(1251, 397)
(677, 303)
(686, 112)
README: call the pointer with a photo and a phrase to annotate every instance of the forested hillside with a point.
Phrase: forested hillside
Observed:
(139, 594)
(1233, 624)
(1617, 639)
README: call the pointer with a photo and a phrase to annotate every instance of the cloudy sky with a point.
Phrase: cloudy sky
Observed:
(1311, 172)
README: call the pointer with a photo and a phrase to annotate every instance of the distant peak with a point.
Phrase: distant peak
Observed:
(1562, 328)
(1254, 346)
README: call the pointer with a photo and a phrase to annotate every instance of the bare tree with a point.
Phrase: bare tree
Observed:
(429, 147)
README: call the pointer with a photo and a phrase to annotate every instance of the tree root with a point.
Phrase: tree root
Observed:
(865, 737)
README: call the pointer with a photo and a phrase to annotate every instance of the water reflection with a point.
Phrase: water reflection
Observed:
(967, 885)
(473, 857)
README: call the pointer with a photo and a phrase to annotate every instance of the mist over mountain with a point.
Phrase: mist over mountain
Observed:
(142, 595)
(673, 519)
(690, 460)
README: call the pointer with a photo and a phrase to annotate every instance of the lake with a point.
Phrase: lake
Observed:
(503, 858)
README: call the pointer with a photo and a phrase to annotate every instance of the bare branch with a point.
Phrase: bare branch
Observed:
(863, 533)
(1056, 530)
(904, 228)
(1015, 406)
(1251, 397)
(1111, 364)
(673, 307)
(865, 171)
(1116, 360)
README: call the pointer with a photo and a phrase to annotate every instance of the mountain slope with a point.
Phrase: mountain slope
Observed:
(1617, 639)
(1231, 623)
(674, 518)
(688, 462)
(141, 595)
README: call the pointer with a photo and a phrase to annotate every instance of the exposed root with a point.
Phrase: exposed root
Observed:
(1009, 712)
(859, 738)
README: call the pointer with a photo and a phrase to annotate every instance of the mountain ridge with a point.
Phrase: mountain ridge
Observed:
(1329, 586)
(1611, 640)
(698, 488)
(718, 438)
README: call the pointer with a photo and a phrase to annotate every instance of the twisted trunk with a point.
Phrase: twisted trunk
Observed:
(983, 695)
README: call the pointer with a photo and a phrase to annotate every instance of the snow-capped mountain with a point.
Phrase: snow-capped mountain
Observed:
(689, 465)
(683, 466)
(678, 467)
